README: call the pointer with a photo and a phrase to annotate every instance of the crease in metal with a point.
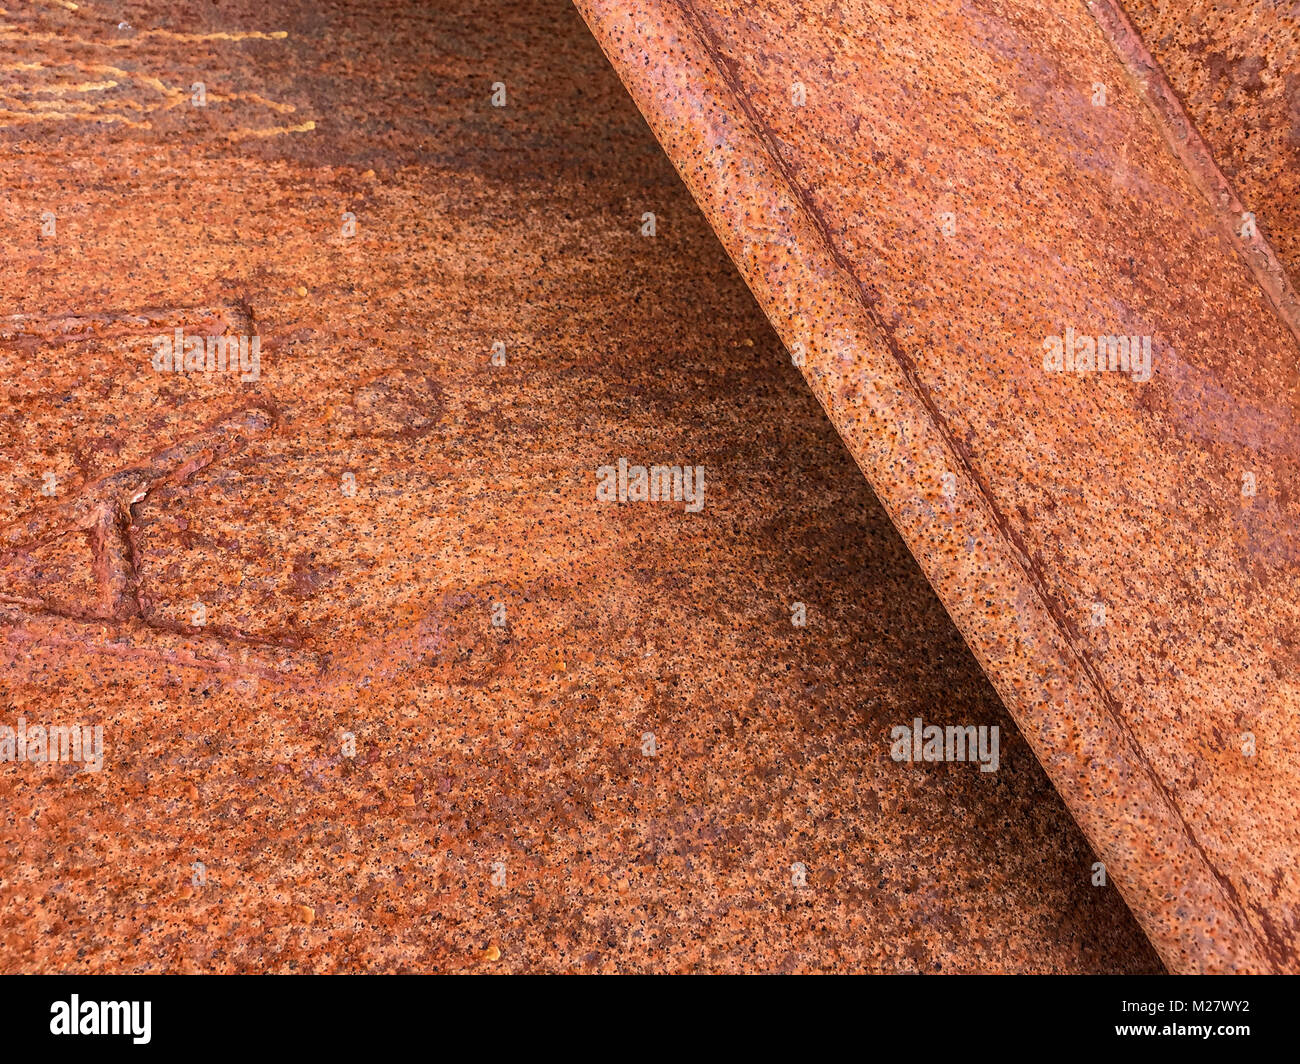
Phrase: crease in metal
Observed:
(1185, 141)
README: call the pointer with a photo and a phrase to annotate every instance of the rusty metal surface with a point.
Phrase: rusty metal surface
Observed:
(931, 201)
(497, 643)
(1236, 70)
(1200, 160)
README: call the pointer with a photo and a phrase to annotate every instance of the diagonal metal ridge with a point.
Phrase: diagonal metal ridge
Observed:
(1186, 142)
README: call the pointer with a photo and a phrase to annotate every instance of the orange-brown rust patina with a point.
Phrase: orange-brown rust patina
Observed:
(406, 730)
(949, 210)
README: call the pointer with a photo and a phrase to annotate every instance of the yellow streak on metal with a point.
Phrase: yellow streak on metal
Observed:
(49, 105)
(261, 134)
(21, 118)
(123, 42)
(252, 97)
(62, 89)
(249, 35)
(23, 112)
